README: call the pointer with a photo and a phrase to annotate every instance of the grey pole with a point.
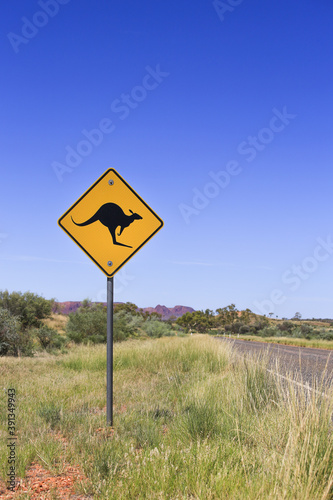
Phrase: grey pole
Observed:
(109, 354)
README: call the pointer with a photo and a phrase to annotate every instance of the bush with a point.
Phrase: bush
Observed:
(303, 332)
(126, 325)
(30, 308)
(286, 327)
(306, 331)
(48, 338)
(269, 331)
(325, 334)
(13, 340)
(87, 324)
(157, 329)
(259, 325)
(9, 333)
(235, 327)
(21, 324)
(26, 344)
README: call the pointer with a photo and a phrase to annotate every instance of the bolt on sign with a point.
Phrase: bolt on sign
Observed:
(110, 222)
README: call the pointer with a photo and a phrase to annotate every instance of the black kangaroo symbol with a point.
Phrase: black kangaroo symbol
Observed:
(112, 216)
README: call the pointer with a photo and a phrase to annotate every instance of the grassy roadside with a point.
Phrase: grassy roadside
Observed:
(191, 421)
(316, 343)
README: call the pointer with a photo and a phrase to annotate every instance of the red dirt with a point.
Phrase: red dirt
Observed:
(41, 484)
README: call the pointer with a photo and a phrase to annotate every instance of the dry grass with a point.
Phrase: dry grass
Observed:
(58, 322)
(191, 422)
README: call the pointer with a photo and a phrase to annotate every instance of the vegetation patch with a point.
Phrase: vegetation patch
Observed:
(191, 420)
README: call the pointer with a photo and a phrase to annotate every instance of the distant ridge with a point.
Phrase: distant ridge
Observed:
(166, 312)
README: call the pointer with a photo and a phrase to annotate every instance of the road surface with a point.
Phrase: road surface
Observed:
(304, 364)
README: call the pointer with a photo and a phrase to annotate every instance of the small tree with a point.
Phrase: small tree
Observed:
(127, 307)
(171, 320)
(246, 316)
(227, 315)
(199, 321)
(185, 321)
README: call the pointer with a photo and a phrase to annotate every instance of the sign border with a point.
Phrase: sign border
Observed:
(110, 275)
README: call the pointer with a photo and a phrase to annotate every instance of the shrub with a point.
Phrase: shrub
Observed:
(306, 331)
(235, 327)
(87, 324)
(298, 333)
(21, 323)
(269, 331)
(9, 333)
(30, 308)
(48, 338)
(259, 325)
(286, 327)
(26, 344)
(325, 334)
(157, 329)
(126, 325)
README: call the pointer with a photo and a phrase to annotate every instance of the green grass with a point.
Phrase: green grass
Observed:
(191, 421)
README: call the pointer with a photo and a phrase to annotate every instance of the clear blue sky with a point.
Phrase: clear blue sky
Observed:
(219, 116)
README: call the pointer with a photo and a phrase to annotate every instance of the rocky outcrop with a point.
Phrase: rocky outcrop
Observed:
(166, 312)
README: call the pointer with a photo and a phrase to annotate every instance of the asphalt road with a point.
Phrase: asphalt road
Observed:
(303, 364)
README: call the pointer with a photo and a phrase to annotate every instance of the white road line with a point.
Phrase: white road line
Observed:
(305, 386)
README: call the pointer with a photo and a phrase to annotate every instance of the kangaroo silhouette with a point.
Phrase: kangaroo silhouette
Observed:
(112, 216)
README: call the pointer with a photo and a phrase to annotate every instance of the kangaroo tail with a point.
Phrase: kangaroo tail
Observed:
(92, 219)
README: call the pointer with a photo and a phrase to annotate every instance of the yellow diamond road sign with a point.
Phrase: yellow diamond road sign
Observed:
(110, 222)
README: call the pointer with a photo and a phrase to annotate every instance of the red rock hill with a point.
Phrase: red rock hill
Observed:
(166, 312)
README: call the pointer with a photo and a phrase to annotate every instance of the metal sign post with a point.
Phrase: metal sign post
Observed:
(109, 353)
